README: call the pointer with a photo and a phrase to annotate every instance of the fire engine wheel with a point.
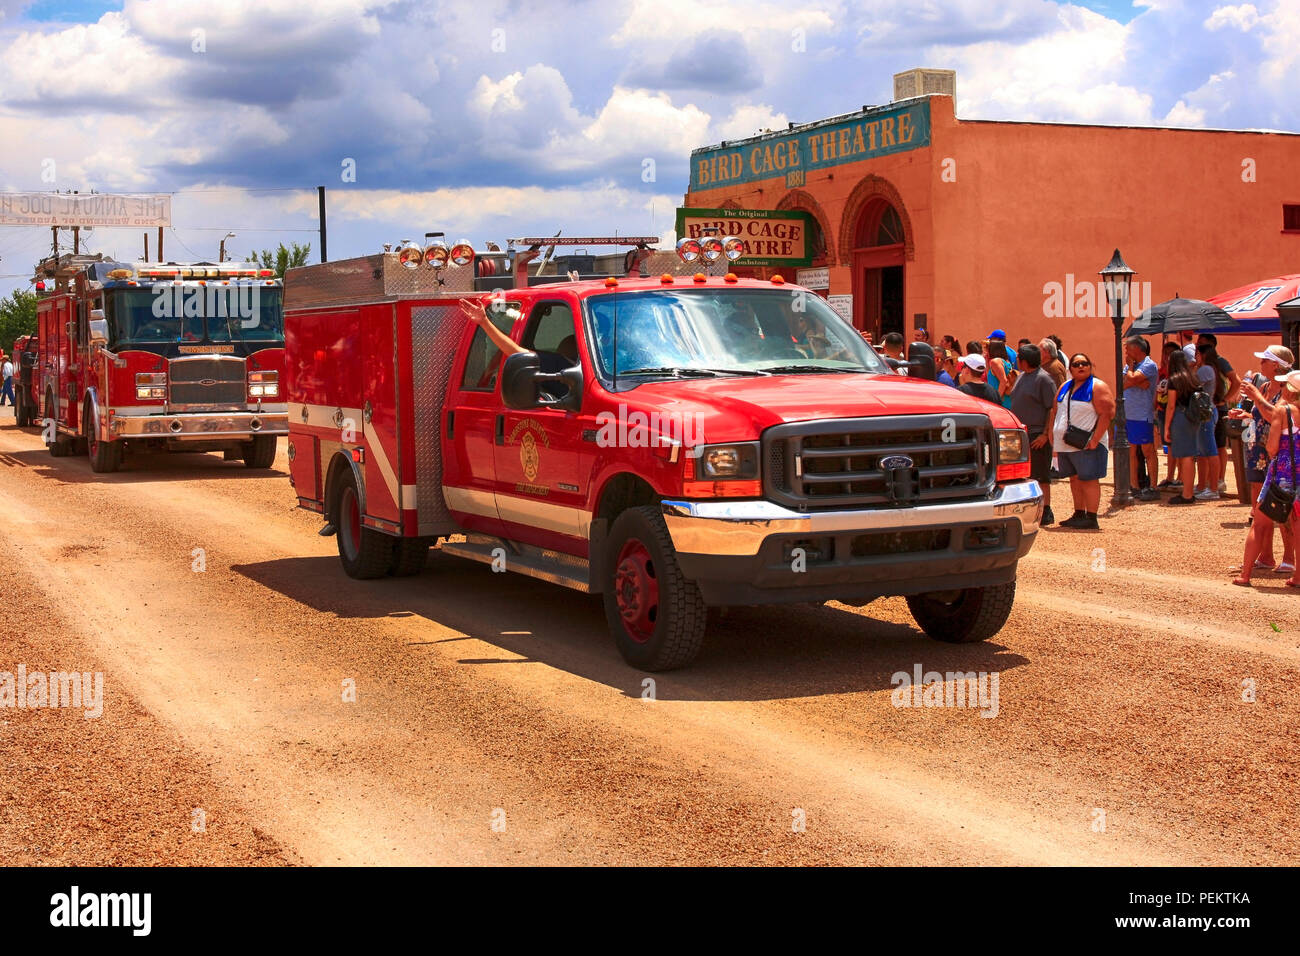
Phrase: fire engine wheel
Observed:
(656, 615)
(104, 455)
(365, 552)
(61, 447)
(966, 616)
(20, 412)
(260, 452)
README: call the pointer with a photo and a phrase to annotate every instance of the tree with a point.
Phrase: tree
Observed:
(282, 260)
(17, 317)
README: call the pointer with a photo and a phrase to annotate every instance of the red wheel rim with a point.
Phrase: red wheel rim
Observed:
(636, 589)
(352, 520)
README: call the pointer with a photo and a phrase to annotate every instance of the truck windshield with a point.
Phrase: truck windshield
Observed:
(193, 313)
(710, 330)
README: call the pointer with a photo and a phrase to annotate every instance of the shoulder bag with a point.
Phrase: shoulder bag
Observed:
(1074, 436)
(1277, 503)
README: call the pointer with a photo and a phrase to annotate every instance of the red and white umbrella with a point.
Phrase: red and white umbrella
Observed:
(1255, 305)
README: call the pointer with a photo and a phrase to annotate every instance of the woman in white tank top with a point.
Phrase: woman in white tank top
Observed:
(1088, 403)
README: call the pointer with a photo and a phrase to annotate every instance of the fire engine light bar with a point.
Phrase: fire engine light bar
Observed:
(586, 241)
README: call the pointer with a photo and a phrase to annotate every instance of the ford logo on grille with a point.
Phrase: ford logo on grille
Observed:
(207, 382)
(894, 462)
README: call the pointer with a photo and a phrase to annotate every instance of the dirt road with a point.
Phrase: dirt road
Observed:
(494, 722)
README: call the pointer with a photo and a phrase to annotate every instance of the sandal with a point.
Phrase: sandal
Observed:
(1245, 582)
(1286, 567)
(1263, 566)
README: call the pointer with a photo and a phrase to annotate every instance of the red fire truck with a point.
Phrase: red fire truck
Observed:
(171, 356)
(668, 442)
(25, 380)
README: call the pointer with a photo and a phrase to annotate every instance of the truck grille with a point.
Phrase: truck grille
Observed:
(813, 465)
(207, 381)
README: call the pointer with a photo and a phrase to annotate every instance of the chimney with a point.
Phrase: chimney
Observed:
(922, 82)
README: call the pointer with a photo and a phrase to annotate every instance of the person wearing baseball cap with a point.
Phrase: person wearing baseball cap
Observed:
(1284, 445)
(970, 379)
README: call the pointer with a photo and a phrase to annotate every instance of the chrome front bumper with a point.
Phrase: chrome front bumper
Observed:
(741, 527)
(200, 426)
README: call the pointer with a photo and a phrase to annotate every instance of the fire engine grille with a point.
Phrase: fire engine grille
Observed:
(207, 381)
(814, 465)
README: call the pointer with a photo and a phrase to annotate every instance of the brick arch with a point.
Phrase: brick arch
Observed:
(864, 192)
(800, 199)
(730, 204)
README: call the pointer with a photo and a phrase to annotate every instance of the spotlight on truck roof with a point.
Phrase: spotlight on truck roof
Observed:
(688, 250)
(462, 253)
(409, 253)
(436, 255)
(732, 247)
(711, 248)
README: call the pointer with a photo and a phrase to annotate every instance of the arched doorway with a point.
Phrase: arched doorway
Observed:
(879, 257)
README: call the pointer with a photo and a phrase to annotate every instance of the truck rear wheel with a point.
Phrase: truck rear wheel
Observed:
(61, 447)
(260, 452)
(965, 616)
(365, 552)
(656, 615)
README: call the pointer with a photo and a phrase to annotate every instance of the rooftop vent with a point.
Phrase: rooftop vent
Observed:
(922, 82)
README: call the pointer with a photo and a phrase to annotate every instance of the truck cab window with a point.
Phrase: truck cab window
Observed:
(484, 358)
(550, 334)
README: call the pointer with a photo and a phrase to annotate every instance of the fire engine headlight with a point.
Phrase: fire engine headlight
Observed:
(150, 385)
(409, 254)
(732, 247)
(1013, 446)
(436, 255)
(721, 462)
(462, 253)
(264, 384)
(711, 248)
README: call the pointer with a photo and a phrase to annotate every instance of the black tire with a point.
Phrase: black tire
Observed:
(105, 456)
(61, 447)
(963, 617)
(260, 452)
(409, 555)
(365, 552)
(657, 616)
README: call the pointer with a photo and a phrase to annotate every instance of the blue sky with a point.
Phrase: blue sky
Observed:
(502, 118)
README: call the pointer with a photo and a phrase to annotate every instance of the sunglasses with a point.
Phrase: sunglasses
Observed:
(1080, 364)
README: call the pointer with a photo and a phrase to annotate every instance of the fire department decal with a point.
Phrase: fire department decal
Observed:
(531, 438)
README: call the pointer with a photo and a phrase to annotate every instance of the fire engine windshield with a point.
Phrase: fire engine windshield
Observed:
(715, 331)
(192, 313)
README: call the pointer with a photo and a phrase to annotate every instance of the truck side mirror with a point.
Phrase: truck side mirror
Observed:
(98, 329)
(920, 361)
(522, 381)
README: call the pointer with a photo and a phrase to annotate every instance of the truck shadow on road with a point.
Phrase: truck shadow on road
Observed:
(749, 653)
(145, 466)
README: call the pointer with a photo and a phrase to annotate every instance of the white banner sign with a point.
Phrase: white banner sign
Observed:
(813, 278)
(97, 209)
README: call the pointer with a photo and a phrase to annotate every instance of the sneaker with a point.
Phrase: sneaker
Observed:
(1207, 494)
(1089, 523)
(1148, 494)
(1169, 485)
(1048, 517)
(1180, 500)
(1076, 520)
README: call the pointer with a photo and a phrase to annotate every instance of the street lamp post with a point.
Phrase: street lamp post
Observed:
(1118, 276)
(221, 249)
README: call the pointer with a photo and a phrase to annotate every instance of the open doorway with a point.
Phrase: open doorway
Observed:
(878, 260)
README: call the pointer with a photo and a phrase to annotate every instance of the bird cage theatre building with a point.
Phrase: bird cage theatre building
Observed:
(906, 216)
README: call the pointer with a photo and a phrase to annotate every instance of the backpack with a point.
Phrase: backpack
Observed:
(1200, 407)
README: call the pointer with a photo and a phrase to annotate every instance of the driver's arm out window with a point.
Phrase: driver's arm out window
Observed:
(485, 358)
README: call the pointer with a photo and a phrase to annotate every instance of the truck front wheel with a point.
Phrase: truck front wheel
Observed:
(365, 552)
(656, 615)
(260, 452)
(965, 616)
(105, 456)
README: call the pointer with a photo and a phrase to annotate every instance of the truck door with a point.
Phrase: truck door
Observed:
(541, 463)
(469, 468)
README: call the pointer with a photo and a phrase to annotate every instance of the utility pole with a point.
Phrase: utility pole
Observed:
(160, 254)
(146, 247)
(320, 199)
(221, 250)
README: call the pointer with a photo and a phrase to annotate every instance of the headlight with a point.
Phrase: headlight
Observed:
(1013, 446)
(263, 384)
(150, 385)
(724, 462)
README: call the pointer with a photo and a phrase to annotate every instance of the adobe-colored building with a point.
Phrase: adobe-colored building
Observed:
(964, 226)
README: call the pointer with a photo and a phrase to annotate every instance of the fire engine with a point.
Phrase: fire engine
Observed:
(668, 442)
(162, 355)
(25, 380)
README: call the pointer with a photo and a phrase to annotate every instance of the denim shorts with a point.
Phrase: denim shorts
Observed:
(1082, 464)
